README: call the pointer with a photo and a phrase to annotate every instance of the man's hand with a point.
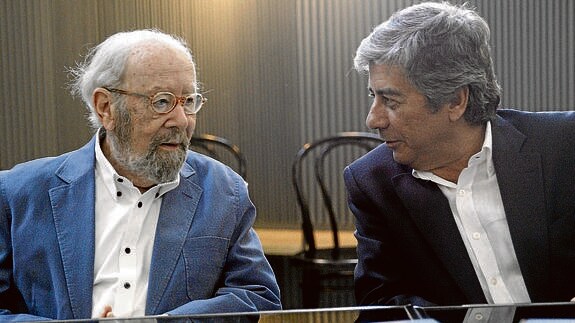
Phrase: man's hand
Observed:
(107, 312)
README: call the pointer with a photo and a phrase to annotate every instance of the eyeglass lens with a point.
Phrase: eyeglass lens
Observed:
(164, 102)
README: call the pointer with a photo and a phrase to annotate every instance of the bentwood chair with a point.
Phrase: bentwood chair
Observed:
(317, 178)
(221, 149)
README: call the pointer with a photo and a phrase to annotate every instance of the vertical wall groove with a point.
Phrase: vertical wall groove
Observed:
(27, 96)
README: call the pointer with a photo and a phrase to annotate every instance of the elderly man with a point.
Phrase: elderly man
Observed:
(131, 224)
(464, 203)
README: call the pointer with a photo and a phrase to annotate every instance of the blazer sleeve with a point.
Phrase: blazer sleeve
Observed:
(11, 301)
(381, 277)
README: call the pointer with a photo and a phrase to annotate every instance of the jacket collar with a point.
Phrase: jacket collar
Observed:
(176, 215)
(524, 203)
(73, 212)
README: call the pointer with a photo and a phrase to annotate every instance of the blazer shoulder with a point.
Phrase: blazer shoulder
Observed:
(46, 172)
(542, 130)
(378, 161)
(205, 167)
(33, 169)
(547, 120)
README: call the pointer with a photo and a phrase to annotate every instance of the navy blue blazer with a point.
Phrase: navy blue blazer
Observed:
(206, 256)
(410, 250)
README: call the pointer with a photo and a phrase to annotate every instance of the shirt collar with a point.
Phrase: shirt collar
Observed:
(487, 147)
(114, 182)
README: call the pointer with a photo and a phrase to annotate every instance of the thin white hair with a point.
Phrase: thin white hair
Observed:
(104, 64)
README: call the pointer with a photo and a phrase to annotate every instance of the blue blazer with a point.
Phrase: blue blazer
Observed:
(206, 256)
(409, 247)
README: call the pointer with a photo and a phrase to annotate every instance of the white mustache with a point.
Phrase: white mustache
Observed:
(174, 137)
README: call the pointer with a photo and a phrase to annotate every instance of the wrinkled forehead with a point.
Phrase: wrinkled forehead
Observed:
(158, 60)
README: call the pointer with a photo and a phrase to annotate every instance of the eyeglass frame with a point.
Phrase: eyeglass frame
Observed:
(179, 99)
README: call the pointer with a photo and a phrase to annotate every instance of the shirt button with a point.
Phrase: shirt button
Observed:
(476, 235)
(493, 281)
(120, 180)
(128, 250)
(139, 204)
(461, 192)
(479, 316)
(127, 285)
(118, 194)
(157, 194)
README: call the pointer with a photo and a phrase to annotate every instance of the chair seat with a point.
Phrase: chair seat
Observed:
(324, 273)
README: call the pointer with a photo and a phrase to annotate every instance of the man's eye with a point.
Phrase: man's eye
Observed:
(190, 101)
(386, 101)
(161, 104)
(390, 104)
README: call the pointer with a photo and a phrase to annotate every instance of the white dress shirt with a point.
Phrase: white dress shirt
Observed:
(125, 229)
(477, 207)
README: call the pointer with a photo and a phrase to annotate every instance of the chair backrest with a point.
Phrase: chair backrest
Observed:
(323, 161)
(221, 149)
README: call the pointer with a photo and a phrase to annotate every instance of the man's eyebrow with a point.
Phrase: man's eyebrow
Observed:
(386, 91)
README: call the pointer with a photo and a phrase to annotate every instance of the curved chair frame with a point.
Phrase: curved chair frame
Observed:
(204, 141)
(335, 264)
(361, 139)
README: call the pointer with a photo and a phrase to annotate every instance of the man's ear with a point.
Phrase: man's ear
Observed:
(102, 101)
(458, 105)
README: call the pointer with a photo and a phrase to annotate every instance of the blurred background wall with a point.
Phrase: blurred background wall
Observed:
(278, 73)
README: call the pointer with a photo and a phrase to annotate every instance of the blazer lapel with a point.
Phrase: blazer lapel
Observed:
(523, 200)
(431, 213)
(73, 211)
(176, 214)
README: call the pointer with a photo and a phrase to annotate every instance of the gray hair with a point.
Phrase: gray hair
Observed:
(442, 48)
(104, 64)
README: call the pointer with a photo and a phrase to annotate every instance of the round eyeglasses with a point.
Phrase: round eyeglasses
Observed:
(165, 102)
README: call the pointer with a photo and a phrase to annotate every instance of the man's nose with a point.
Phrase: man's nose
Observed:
(377, 118)
(178, 116)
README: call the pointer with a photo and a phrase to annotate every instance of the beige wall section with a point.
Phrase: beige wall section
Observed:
(277, 73)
